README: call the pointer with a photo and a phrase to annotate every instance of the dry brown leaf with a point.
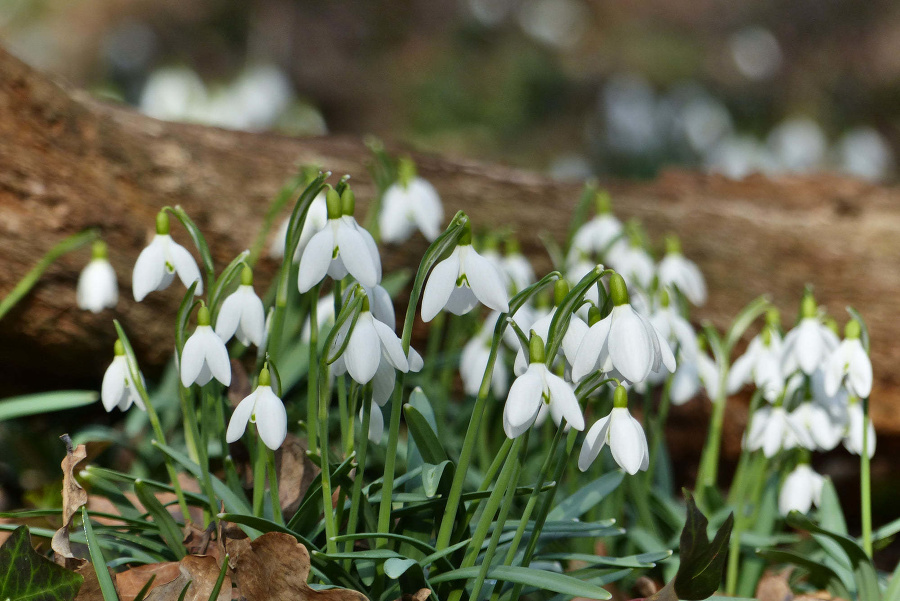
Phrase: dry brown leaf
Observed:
(240, 383)
(201, 572)
(774, 587)
(276, 566)
(90, 588)
(130, 582)
(420, 595)
(73, 497)
(296, 472)
(204, 541)
(645, 586)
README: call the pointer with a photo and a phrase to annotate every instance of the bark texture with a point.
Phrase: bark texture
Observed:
(69, 162)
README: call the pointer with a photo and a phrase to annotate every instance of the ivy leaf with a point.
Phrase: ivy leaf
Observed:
(702, 562)
(28, 575)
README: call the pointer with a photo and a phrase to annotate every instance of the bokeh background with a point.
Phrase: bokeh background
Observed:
(570, 87)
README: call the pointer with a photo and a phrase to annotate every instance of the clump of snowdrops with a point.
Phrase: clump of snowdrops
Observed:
(495, 485)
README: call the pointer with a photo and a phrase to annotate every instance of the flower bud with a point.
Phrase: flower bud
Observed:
(333, 202)
(536, 352)
(594, 315)
(618, 290)
(203, 318)
(853, 330)
(620, 397)
(119, 348)
(560, 291)
(264, 378)
(99, 250)
(162, 223)
(348, 202)
(808, 307)
(246, 276)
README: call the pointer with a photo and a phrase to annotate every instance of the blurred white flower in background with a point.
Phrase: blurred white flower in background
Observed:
(756, 52)
(864, 153)
(798, 145)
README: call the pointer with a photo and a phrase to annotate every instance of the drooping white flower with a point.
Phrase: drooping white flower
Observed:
(633, 263)
(204, 355)
(316, 218)
(623, 434)
(160, 261)
(339, 248)
(815, 428)
(371, 343)
(674, 328)
(690, 375)
(597, 235)
(263, 408)
(857, 424)
(97, 286)
(850, 364)
(801, 490)
(570, 343)
(761, 363)
(242, 314)
(534, 388)
(473, 362)
(809, 344)
(682, 273)
(460, 281)
(410, 203)
(385, 378)
(117, 389)
(771, 431)
(516, 267)
(624, 340)
(376, 423)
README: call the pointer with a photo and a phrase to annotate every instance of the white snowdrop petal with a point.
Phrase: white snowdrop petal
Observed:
(593, 443)
(392, 346)
(185, 267)
(523, 403)
(382, 306)
(624, 441)
(685, 384)
(372, 246)
(440, 286)
(240, 417)
(630, 346)
(271, 418)
(253, 318)
(563, 397)
(486, 282)
(113, 387)
(774, 433)
(587, 358)
(216, 356)
(355, 255)
(149, 270)
(860, 371)
(461, 301)
(383, 383)
(808, 347)
(376, 424)
(665, 351)
(362, 354)
(193, 359)
(229, 317)
(316, 259)
(392, 221)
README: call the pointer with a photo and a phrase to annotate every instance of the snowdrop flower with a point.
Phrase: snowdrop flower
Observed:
(623, 434)
(376, 423)
(408, 204)
(571, 339)
(624, 340)
(815, 428)
(204, 355)
(675, 270)
(263, 408)
(693, 372)
(473, 364)
(849, 363)
(771, 431)
(339, 248)
(633, 262)
(242, 314)
(371, 343)
(856, 426)
(810, 342)
(674, 328)
(157, 264)
(516, 267)
(534, 388)
(97, 287)
(461, 280)
(598, 235)
(801, 490)
(316, 219)
(761, 363)
(117, 389)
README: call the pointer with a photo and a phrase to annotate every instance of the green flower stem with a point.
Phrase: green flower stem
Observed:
(659, 430)
(865, 483)
(327, 501)
(31, 278)
(189, 419)
(506, 481)
(743, 518)
(273, 486)
(209, 424)
(363, 446)
(230, 471)
(341, 385)
(739, 482)
(259, 478)
(442, 244)
(135, 375)
(312, 382)
(288, 191)
(709, 464)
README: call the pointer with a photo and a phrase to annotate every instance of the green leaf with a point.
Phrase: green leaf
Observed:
(831, 516)
(107, 588)
(45, 402)
(397, 566)
(232, 501)
(548, 581)
(644, 560)
(168, 529)
(893, 590)
(743, 320)
(702, 562)
(863, 571)
(426, 439)
(589, 495)
(822, 575)
(30, 576)
(199, 241)
(431, 476)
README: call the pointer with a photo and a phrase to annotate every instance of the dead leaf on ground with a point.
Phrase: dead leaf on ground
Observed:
(420, 595)
(201, 572)
(276, 566)
(73, 497)
(296, 472)
(773, 586)
(130, 582)
(90, 588)
(204, 541)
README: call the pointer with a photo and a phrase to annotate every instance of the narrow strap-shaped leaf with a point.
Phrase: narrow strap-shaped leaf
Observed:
(107, 588)
(168, 529)
(427, 440)
(214, 593)
(232, 501)
(540, 579)
(589, 495)
(199, 241)
(748, 314)
(45, 402)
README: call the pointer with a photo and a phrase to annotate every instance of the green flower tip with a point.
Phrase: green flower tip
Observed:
(560, 291)
(264, 378)
(773, 317)
(664, 299)
(465, 239)
(333, 202)
(673, 245)
(348, 202)
(701, 342)
(99, 250)
(536, 348)
(832, 324)
(853, 330)
(246, 276)
(767, 335)
(365, 302)
(406, 171)
(203, 318)
(620, 397)
(162, 223)
(808, 307)
(512, 246)
(594, 315)
(119, 348)
(603, 202)
(618, 290)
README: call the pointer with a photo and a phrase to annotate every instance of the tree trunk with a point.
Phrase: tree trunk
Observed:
(69, 162)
